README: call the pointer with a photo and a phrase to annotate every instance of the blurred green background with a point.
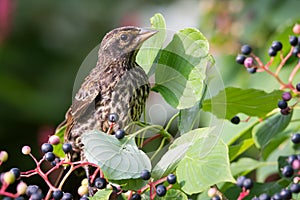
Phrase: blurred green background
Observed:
(43, 43)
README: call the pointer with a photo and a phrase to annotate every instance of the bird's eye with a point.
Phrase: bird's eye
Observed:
(124, 37)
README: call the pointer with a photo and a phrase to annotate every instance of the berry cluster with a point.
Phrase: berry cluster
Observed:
(156, 187)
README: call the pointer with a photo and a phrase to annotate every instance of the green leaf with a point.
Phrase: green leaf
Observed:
(118, 159)
(151, 47)
(245, 165)
(57, 149)
(101, 195)
(196, 173)
(251, 102)
(270, 128)
(180, 72)
(176, 152)
(236, 150)
(130, 184)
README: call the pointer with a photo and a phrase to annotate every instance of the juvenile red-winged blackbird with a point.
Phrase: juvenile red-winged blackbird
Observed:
(116, 85)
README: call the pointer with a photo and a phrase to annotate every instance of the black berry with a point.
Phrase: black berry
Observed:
(113, 117)
(286, 96)
(276, 45)
(120, 134)
(32, 189)
(100, 183)
(291, 159)
(296, 138)
(272, 52)
(67, 196)
(145, 175)
(246, 49)
(67, 148)
(295, 188)
(216, 198)
(252, 70)
(282, 104)
(84, 198)
(240, 180)
(286, 194)
(161, 190)
(240, 59)
(235, 120)
(287, 171)
(36, 196)
(298, 87)
(57, 194)
(16, 172)
(264, 196)
(296, 51)
(49, 156)
(255, 198)
(46, 147)
(293, 40)
(136, 196)
(276, 196)
(247, 183)
(171, 178)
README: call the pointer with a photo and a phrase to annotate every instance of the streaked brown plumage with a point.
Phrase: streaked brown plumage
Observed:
(116, 85)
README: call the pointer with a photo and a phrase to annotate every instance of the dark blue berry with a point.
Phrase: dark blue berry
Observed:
(252, 70)
(67, 148)
(235, 120)
(120, 134)
(293, 40)
(298, 87)
(255, 198)
(240, 180)
(286, 96)
(291, 159)
(247, 183)
(32, 189)
(216, 198)
(46, 147)
(287, 171)
(286, 194)
(67, 196)
(16, 172)
(272, 52)
(49, 156)
(136, 196)
(36, 196)
(296, 138)
(100, 183)
(264, 196)
(145, 174)
(19, 198)
(161, 190)
(113, 117)
(171, 178)
(246, 49)
(282, 104)
(296, 51)
(276, 45)
(295, 188)
(84, 198)
(57, 194)
(240, 59)
(276, 196)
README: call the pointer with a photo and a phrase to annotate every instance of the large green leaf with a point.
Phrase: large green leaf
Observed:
(180, 72)
(251, 102)
(118, 159)
(101, 195)
(173, 194)
(245, 165)
(176, 152)
(196, 172)
(151, 47)
(269, 128)
(238, 149)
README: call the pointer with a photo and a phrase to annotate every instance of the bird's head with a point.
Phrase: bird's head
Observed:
(125, 40)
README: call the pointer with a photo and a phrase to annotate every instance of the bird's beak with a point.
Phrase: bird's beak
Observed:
(144, 34)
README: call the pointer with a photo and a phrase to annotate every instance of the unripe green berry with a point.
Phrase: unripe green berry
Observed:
(26, 150)
(85, 182)
(9, 177)
(21, 188)
(3, 156)
(82, 190)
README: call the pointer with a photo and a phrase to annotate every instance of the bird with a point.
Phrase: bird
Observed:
(117, 84)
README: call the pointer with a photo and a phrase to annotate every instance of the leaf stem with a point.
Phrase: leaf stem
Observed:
(171, 121)
(159, 148)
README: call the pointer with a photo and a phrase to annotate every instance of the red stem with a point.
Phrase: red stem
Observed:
(150, 140)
